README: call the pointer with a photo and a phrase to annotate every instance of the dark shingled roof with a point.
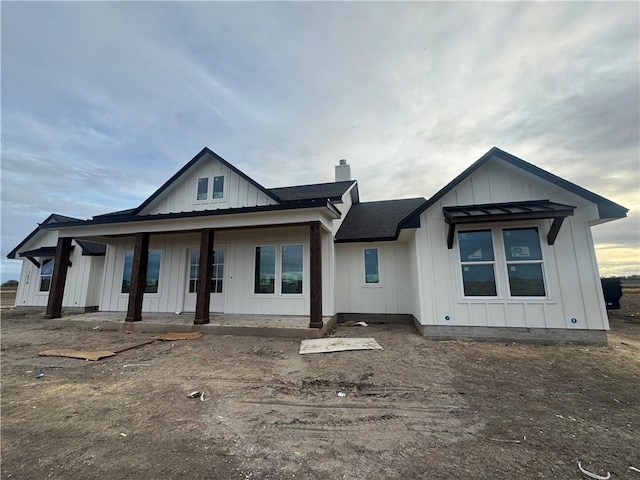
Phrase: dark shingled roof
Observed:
(377, 221)
(332, 191)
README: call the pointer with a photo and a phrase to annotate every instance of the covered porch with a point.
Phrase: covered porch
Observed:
(312, 224)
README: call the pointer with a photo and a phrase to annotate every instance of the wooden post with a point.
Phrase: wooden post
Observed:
(59, 277)
(205, 269)
(315, 270)
(138, 277)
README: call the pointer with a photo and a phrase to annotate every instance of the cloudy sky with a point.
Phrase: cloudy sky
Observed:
(103, 102)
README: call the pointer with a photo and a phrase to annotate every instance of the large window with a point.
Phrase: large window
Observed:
(524, 262)
(46, 271)
(291, 269)
(153, 271)
(265, 273)
(217, 274)
(203, 187)
(478, 264)
(371, 266)
(218, 187)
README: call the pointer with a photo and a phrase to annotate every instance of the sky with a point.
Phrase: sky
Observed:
(102, 102)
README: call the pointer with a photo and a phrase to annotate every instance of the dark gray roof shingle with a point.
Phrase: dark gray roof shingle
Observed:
(332, 191)
(376, 221)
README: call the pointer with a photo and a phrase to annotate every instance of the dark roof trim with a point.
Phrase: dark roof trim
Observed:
(606, 208)
(105, 220)
(190, 164)
(54, 218)
(328, 190)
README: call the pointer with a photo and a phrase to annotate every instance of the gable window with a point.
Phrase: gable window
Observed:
(46, 271)
(524, 262)
(217, 274)
(203, 187)
(371, 266)
(265, 273)
(153, 271)
(291, 281)
(478, 263)
(218, 187)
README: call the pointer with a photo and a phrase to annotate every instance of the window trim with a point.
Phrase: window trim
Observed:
(224, 189)
(192, 250)
(501, 272)
(46, 261)
(277, 290)
(364, 267)
(545, 283)
(493, 262)
(206, 198)
(150, 294)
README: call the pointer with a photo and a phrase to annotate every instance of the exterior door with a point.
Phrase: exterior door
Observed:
(218, 283)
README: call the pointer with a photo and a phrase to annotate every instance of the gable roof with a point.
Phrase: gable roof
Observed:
(606, 208)
(378, 221)
(190, 164)
(52, 219)
(332, 191)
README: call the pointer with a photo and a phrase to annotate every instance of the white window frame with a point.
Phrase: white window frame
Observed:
(224, 188)
(486, 262)
(275, 271)
(40, 277)
(209, 189)
(364, 267)
(277, 289)
(545, 283)
(190, 279)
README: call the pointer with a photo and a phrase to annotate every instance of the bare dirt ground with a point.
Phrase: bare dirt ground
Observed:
(418, 409)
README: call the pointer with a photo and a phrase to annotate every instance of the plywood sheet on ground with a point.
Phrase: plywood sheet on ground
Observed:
(77, 354)
(171, 336)
(325, 345)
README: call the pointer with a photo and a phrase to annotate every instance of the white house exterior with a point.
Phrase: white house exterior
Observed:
(504, 251)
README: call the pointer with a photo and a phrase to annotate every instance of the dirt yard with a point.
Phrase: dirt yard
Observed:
(418, 409)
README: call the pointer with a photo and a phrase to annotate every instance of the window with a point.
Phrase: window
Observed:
(203, 187)
(524, 262)
(46, 271)
(371, 267)
(218, 187)
(265, 273)
(217, 274)
(291, 281)
(478, 264)
(153, 271)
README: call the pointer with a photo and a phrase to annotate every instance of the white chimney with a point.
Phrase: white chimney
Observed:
(343, 171)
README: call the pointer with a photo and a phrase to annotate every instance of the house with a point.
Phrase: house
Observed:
(504, 251)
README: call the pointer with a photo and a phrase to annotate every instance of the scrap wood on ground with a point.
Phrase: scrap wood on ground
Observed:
(95, 356)
(326, 345)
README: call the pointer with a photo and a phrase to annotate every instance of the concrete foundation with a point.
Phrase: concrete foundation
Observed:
(547, 336)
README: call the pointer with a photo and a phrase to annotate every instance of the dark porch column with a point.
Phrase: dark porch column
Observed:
(138, 277)
(59, 277)
(205, 269)
(315, 271)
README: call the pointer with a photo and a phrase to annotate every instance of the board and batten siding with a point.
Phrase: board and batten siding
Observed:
(80, 276)
(571, 274)
(239, 271)
(181, 197)
(394, 293)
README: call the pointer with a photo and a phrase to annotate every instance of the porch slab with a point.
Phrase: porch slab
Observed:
(220, 324)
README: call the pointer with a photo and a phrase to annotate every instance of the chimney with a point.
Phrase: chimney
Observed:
(343, 171)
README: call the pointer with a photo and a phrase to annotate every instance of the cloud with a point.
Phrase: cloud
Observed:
(409, 92)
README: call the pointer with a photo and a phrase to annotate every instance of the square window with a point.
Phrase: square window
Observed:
(476, 246)
(526, 280)
(522, 244)
(479, 280)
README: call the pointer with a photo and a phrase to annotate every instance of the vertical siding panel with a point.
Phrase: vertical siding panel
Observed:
(515, 315)
(535, 315)
(496, 315)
